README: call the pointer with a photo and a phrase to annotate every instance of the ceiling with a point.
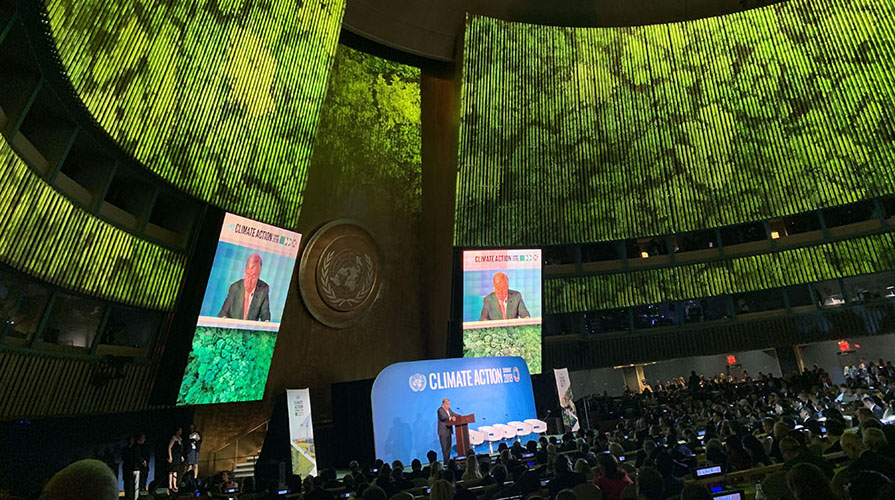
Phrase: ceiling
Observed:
(432, 28)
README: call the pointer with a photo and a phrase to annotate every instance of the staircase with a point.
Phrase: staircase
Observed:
(238, 456)
(245, 469)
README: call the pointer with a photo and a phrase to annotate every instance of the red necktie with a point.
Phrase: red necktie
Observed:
(503, 309)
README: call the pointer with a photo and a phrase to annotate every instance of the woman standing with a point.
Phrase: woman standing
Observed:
(175, 458)
(192, 451)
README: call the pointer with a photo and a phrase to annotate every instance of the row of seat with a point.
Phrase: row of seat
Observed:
(509, 430)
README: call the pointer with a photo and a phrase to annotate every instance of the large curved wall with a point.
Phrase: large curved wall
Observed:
(44, 234)
(839, 259)
(594, 134)
(219, 97)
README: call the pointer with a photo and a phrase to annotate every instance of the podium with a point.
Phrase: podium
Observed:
(461, 430)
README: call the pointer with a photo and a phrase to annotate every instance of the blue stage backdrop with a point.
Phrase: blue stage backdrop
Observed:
(406, 397)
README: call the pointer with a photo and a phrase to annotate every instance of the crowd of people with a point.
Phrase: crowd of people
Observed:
(801, 437)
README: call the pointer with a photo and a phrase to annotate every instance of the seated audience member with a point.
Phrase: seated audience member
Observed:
(472, 474)
(851, 481)
(566, 494)
(875, 440)
(645, 454)
(416, 469)
(794, 453)
(432, 457)
(610, 478)
(616, 450)
(374, 492)
(529, 485)
(756, 451)
(650, 484)
(83, 480)
(441, 490)
(399, 482)
(835, 428)
(583, 468)
(715, 454)
(874, 408)
(564, 477)
(499, 488)
(695, 491)
(435, 473)
(806, 481)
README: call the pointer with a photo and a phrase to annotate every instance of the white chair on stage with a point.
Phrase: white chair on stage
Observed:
(505, 431)
(537, 426)
(521, 428)
(476, 438)
(491, 435)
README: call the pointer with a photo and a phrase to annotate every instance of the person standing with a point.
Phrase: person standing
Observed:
(192, 451)
(175, 458)
(446, 416)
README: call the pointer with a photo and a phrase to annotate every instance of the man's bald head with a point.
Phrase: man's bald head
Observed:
(501, 285)
(253, 271)
(83, 480)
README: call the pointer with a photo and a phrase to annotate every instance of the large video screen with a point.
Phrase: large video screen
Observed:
(241, 311)
(502, 304)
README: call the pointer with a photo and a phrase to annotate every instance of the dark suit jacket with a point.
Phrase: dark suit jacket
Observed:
(515, 307)
(444, 416)
(259, 309)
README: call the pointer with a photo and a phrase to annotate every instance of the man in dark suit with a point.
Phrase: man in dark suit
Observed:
(248, 298)
(446, 416)
(503, 303)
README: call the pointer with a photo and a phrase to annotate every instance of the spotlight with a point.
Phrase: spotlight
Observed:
(775, 235)
(644, 254)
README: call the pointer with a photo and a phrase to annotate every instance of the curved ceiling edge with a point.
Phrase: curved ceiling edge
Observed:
(431, 28)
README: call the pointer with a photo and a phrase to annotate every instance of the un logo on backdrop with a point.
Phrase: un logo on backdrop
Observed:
(417, 382)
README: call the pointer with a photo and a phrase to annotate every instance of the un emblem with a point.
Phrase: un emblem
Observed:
(417, 382)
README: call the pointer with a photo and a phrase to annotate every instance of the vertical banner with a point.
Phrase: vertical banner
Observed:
(301, 432)
(566, 400)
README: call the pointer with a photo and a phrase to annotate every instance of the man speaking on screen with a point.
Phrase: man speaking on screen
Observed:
(248, 298)
(446, 416)
(503, 303)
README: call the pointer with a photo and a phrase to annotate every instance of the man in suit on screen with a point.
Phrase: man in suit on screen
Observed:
(503, 303)
(446, 416)
(248, 298)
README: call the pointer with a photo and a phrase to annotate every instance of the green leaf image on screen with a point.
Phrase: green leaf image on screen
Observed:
(523, 341)
(573, 135)
(219, 97)
(226, 365)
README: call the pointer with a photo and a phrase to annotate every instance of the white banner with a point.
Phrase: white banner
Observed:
(301, 432)
(566, 400)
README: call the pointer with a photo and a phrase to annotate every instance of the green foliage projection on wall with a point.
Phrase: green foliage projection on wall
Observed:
(226, 365)
(523, 341)
(597, 134)
(45, 235)
(370, 128)
(219, 97)
(796, 266)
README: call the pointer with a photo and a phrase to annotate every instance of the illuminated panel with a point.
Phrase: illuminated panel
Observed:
(221, 98)
(502, 305)
(598, 134)
(44, 234)
(840, 259)
(241, 312)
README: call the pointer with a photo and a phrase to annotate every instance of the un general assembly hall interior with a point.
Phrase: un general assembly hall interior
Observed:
(447, 250)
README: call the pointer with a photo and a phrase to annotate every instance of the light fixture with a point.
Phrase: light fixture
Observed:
(775, 235)
(644, 254)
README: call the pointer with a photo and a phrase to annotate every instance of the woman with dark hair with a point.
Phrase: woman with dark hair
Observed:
(175, 459)
(756, 451)
(611, 480)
